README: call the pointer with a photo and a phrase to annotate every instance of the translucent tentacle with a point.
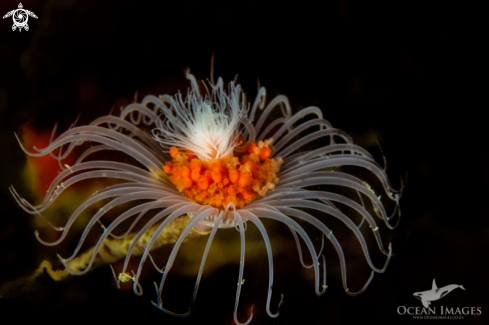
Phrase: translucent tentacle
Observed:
(201, 214)
(253, 218)
(239, 221)
(199, 275)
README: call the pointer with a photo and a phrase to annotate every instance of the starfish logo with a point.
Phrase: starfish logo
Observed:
(20, 17)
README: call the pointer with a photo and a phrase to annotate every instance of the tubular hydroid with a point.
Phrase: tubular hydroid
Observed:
(224, 163)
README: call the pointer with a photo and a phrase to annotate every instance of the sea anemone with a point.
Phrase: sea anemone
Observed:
(223, 163)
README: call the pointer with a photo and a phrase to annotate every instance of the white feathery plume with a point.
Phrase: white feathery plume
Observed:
(209, 126)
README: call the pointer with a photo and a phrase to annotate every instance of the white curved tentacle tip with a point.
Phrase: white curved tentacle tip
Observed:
(391, 253)
(74, 123)
(249, 319)
(279, 305)
(20, 144)
(157, 305)
(37, 149)
(262, 99)
(72, 271)
(17, 196)
(137, 288)
(251, 314)
(324, 285)
(348, 292)
(193, 81)
(389, 256)
(369, 280)
(36, 234)
(117, 282)
(61, 259)
(55, 127)
(158, 296)
(49, 223)
(111, 110)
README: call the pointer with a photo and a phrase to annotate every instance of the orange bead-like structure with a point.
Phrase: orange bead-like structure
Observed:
(238, 178)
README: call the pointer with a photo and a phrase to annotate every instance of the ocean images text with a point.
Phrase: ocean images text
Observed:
(448, 311)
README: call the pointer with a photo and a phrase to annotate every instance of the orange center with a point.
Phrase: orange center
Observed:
(238, 178)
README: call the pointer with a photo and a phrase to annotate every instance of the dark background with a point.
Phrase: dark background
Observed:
(403, 72)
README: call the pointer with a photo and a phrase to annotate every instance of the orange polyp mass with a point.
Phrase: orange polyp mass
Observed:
(195, 175)
(186, 182)
(248, 166)
(167, 169)
(216, 176)
(234, 176)
(174, 152)
(203, 183)
(216, 166)
(265, 153)
(239, 179)
(246, 196)
(196, 165)
(185, 171)
(252, 148)
(245, 179)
